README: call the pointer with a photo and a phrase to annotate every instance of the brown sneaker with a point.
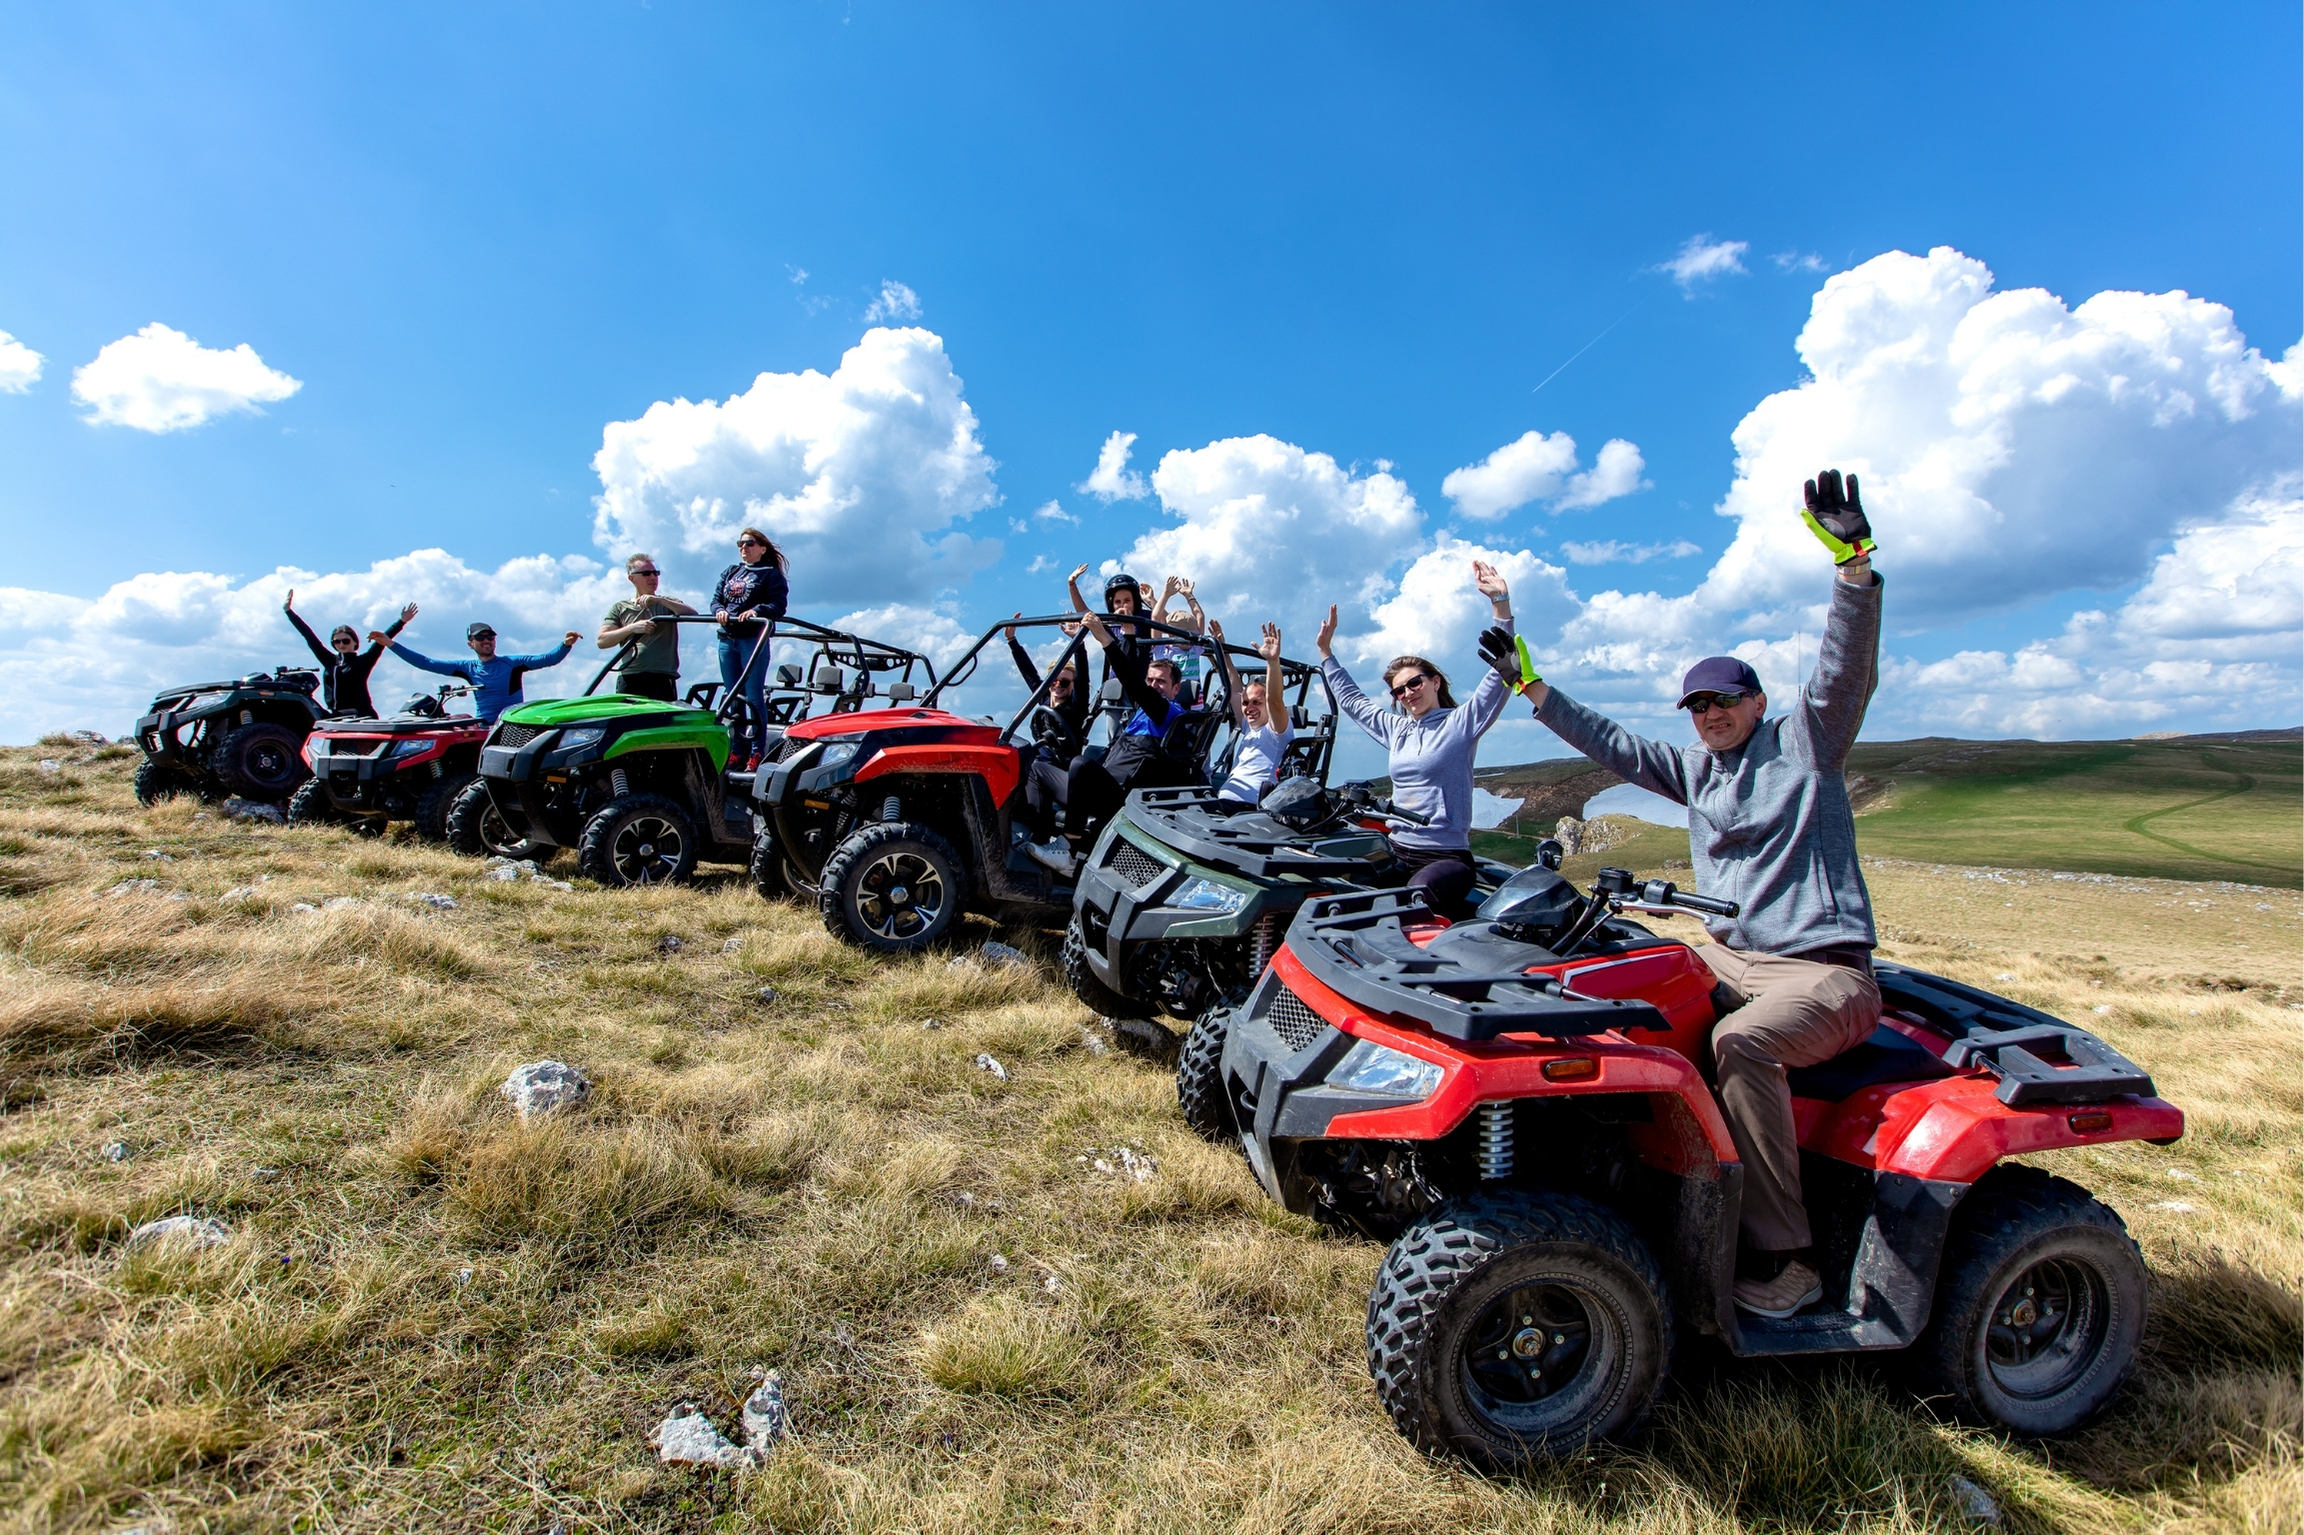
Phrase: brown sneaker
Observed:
(1780, 1297)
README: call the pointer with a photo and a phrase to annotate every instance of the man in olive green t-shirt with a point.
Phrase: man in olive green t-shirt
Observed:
(652, 670)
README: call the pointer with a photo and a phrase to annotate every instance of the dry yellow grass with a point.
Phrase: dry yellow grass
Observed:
(433, 1317)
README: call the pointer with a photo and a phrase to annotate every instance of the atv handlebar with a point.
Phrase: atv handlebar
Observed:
(1661, 895)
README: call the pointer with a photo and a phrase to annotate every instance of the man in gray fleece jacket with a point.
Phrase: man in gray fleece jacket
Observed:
(1770, 828)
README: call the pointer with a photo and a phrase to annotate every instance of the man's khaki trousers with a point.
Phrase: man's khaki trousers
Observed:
(1795, 1012)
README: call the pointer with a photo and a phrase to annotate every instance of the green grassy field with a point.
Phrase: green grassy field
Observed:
(2192, 807)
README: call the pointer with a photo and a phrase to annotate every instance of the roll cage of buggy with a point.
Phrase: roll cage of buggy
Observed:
(896, 825)
(644, 789)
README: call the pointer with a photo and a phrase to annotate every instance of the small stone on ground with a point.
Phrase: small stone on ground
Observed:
(188, 1230)
(986, 1063)
(687, 1438)
(540, 1087)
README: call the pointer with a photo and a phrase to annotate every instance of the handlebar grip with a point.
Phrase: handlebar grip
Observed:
(1410, 816)
(1718, 908)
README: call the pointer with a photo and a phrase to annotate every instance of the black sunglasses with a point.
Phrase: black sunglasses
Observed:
(1704, 702)
(1402, 690)
(651, 571)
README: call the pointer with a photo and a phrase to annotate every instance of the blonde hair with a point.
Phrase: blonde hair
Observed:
(636, 559)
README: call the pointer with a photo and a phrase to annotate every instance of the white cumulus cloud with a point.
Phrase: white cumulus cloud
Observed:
(896, 302)
(19, 365)
(863, 476)
(1536, 467)
(1703, 258)
(1615, 552)
(1111, 479)
(161, 380)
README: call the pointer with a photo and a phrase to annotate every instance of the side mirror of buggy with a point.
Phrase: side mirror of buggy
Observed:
(788, 675)
(902, 692)
(1549, 853)
(1534, 906)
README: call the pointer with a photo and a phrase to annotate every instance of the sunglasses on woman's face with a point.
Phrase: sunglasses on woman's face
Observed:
(750, 543)
(1413, 683)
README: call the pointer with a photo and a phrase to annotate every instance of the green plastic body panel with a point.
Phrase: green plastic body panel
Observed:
(708, 738)
(550, 712)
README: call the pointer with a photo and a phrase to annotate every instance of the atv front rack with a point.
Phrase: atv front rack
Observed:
(1358, 947)
(2019, 1045)
(1247, 842)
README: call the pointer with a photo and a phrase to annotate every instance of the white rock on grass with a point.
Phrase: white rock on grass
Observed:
(1975, 1503)
(51, 765)
(254, 810)
(433, 899)
(116, 1151)
(767, 1422)
(732, 945)
(157, 856)
(189, 1230)
(303, 906)
(502, 872)
(240, 893)
(340, 902)
(133, 887)
(986, 1063)
(540, 1087)
(687, 1438)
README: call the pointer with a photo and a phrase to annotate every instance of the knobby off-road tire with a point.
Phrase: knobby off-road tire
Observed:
(2039, 1307)
(1200, 1077)
(1507, 1326)
(311, 806)
(156, 782)
(433, 805)
(261, 762)
(1101, 999)
(767, 869)
(641, 839)
(892, 886)
(476, 827)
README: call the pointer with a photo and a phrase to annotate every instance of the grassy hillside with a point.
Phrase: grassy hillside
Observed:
(431, 1316)
(2192, 807)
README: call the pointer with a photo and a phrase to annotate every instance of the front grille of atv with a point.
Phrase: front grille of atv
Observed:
(516, 735)
(1296, 1024)
(789, 746)
(1132, 864)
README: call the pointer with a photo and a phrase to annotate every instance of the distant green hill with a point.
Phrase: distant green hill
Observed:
(2181, 807)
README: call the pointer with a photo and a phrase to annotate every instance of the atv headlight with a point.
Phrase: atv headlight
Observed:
(838, 754)
(1207, 895)
(410, 747)
(1369, 1067)
(316, 746)
(573, 740)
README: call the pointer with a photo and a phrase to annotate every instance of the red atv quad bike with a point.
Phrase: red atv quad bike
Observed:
(1521, 1102)
(896, 822)
(419, 765)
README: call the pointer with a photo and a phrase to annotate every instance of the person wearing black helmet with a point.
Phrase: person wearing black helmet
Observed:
(1770, 828)
(344, 666)
(1124, 599)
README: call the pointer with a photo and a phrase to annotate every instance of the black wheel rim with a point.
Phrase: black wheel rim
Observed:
(901, 896)
(1537, 1359)
(646, 850)
(2046, 1328)
(495, 836)
(269, 764)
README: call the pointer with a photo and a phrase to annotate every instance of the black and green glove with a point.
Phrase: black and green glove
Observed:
(1838, 520)
(1508, 654)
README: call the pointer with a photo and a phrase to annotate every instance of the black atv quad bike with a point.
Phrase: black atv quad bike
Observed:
(214, 739)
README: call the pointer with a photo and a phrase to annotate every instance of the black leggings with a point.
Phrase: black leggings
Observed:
(1044, 796)
(1443, 874)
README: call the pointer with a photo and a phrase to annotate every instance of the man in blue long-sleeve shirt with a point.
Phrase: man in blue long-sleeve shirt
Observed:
(495, 679)
(1770, 828)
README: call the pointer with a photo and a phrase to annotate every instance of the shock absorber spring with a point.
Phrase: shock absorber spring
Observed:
(618, 784)
(892, 810)
(1495, 1141)
(1260, 947)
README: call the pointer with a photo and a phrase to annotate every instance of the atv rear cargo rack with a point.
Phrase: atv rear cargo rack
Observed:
(2018, 1044)
(1357, 946)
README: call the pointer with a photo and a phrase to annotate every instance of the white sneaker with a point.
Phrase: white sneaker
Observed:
(1783, 1296)
(1057, 855)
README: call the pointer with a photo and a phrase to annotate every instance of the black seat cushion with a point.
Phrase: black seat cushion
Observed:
(1885, 1057)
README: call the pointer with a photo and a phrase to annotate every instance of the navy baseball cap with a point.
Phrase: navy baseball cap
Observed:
(474, 631)
(1718, 674)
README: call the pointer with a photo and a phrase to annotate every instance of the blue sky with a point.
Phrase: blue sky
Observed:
(1367, 232)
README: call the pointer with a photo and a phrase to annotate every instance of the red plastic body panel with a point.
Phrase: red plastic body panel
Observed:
(1953, 1129)
(1512, 1066)
(463, 735)
(1673, 979)
(864, 721)
(994, 763)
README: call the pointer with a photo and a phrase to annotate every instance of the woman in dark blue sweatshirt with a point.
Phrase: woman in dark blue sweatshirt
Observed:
(344, 666)
(749, 596)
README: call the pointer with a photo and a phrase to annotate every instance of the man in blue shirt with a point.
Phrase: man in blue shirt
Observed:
(495, 679)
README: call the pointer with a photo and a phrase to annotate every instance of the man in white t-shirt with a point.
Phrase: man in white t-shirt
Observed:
(1259, 715)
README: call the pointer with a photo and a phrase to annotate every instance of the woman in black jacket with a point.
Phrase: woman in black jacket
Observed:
(749, 596)
(344, 666)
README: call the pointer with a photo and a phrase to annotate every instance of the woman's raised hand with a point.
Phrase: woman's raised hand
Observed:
(288, 603)
(1490, 581)
(1010, 629)
(1269, 646)
(1083, 570)
(1327, 633)
(408, 613)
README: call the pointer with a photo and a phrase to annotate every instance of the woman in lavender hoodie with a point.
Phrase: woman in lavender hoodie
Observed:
(1431, 743)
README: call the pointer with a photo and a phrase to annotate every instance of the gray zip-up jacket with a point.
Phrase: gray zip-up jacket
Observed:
(1769, 825)
(1430, 759)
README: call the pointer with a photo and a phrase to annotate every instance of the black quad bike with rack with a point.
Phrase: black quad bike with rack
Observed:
(642, 789)
(897, 822)
(1184, 899)
(1520, 1104)
(244, 737)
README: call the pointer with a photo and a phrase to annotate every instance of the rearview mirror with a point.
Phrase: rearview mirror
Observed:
(1549, 853)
